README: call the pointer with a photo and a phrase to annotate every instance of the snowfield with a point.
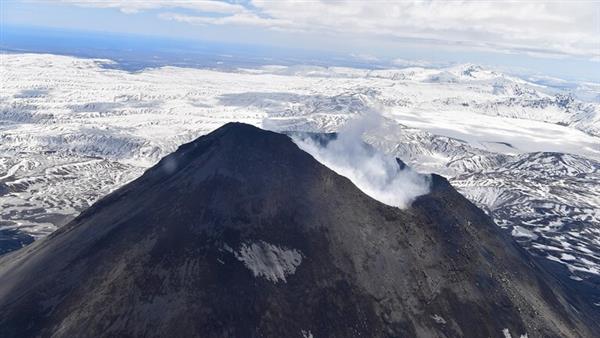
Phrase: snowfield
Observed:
(71, 131)
(268, 260)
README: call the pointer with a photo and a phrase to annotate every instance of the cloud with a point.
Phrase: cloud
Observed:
(552, 27)
(135, 6)
(412, 63)
(376, 174)
(242, 19)
(365, 57)
(540, 28)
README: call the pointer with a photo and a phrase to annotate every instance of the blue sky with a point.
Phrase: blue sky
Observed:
(557, 38)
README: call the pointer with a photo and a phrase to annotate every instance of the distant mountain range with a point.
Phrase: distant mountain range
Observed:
(72, 130)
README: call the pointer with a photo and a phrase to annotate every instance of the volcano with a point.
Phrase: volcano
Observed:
(242, 234)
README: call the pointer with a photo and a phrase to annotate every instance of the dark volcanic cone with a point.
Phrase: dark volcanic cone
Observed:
(240, 233)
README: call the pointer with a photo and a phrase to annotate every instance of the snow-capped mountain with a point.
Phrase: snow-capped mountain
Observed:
(71, 130)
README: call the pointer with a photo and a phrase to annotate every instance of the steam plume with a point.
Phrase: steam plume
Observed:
(373, 172)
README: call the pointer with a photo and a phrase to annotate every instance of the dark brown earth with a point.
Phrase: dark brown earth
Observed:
(162, 257)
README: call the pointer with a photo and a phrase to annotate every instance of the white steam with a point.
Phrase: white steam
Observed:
(376, 174)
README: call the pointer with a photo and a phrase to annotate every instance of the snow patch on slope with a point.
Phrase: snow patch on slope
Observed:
(269, 261)
(507, 334)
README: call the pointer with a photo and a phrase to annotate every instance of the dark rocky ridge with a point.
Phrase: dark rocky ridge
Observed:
(11, 239)
(162, 256)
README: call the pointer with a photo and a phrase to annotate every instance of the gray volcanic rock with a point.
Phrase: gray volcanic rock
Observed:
(240, 233)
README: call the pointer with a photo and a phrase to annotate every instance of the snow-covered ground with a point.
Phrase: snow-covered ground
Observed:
(72, 130)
